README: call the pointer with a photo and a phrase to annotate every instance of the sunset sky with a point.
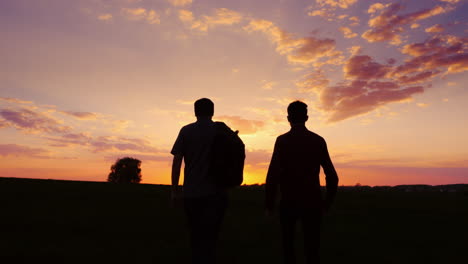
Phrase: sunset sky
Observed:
(85, 82)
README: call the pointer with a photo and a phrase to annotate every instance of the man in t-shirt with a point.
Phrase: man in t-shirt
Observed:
(204, 202)
(295, 168)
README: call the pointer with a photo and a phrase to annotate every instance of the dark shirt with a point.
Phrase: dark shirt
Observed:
(194, 143)
(295, 167)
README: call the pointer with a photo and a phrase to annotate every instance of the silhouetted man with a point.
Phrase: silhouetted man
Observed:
(295, 167)
(204, 202)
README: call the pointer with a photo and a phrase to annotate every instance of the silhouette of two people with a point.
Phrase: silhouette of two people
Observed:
(294, 170)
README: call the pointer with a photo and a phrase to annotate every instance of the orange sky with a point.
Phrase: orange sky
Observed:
(86, 82)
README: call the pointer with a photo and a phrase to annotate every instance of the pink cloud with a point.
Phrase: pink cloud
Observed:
(14, 100)
(311, 49)
(245, 126)
(104, 143)
(302, 50)
(363, 67)
(359, 97)
(30, 121)
(258, 158)
(438, 52)
(80, 115)
(22, 151)
(336, 3)
(435, 29)
(101, 144)
(313, 81)
(370, 84)
(388, 25)
(417, 78)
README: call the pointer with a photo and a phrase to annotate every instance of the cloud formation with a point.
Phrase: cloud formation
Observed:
(368, 85)
(14, 100)
(347, 32)
(387, 25)
(30, 121)
(363, 67)
(437, 28)
(314, 81)
(439, 52)
(267, 85)
(303, 50)
(81, 115)
(258, 158)
(23, 151)
(103, 143)
(105, 17)
(141, 14)
(245, 126)
(221, 16)
(360, 97)
(336, 3)
(180, 3)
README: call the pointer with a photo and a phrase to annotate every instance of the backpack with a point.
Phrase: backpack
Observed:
(226, 157)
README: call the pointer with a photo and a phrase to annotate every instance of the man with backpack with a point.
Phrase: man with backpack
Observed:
(295, 167)
(207, 148)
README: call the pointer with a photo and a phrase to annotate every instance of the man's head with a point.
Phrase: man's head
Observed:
(204, 108)
(297, 112)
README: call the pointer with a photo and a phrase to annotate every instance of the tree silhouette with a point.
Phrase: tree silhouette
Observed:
(125, 170)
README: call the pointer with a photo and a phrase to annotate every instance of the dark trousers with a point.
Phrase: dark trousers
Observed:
(310, 219)
(204, 218)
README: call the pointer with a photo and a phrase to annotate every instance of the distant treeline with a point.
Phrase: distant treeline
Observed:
(398, 188)
(358, 187)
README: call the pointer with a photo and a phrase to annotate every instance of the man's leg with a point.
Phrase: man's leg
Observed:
(311, 220)
(205, 215)
(288, 217)
(214, 219)
(194, 221)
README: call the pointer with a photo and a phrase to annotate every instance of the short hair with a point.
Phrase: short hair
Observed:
(297, 112)
(204, 107)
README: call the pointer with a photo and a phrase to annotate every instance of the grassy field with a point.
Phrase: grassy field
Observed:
(91, 222)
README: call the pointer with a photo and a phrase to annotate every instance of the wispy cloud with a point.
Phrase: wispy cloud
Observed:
(303, 50)
(221, 16)
(360, 97)
(336, 3)
(81, 115)
(105, 17)
(347, 32)
(15, 100)
(437, 28)
(141, 14)
(388, 25)
(245, 126)
(314, 81)
(23, 151)
(179, 3)
(97, 144)
(30, 121)
(439, 52)
(267, 85)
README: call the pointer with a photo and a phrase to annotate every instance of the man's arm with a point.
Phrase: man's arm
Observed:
(272, 179)
(331, 176)
(176, 164)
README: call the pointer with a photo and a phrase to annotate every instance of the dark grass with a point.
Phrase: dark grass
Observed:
(92, 222)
